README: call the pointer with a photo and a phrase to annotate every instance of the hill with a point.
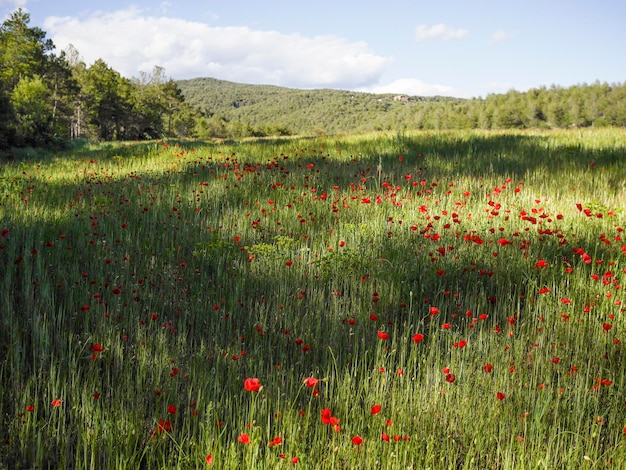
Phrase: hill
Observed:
(272, 109)
(233, 109)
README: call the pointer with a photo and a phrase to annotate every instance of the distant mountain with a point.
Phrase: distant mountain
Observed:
(273, 110)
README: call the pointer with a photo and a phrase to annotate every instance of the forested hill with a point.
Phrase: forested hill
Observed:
(269, 109)
(238, 109)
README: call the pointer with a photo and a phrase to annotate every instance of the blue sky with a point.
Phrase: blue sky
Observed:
(446, 47)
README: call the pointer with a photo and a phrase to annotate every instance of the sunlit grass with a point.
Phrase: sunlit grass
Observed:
(469, 283)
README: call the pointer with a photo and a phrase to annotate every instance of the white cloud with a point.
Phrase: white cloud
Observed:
(414, 87)
(438, 31)
(501, 36)
(130, 42)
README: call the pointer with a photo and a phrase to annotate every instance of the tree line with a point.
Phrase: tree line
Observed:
(49, 99)
(230, 108)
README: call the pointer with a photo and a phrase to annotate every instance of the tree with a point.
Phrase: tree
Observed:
(108, 100)
(23, 50)
(31, 101)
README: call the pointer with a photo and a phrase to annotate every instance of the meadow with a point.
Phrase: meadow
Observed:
(439, 300)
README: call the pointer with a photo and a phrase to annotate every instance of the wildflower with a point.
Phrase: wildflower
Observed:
(252, 385)
(357, 440)
(310, 382)
(244, 438)
(57, 402)
(276, 441)
(376, 409)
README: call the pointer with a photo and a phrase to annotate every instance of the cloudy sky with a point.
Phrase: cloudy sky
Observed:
(461, 48)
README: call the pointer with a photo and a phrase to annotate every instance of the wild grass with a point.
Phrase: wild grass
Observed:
(469, 283)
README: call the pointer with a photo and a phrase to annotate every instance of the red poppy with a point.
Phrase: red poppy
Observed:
(357, 440)
(244, 438)
(450, 378)
(165, 425)
(382, 335)
(326, 415)
(171, 409)
(376, 409)
(417, 338)
(97, 347)
(30, 408)
(252, 384)
(488, 368)
(276, 441)
(310, 382)
(501, 396)
(57, 402)
(209, 460)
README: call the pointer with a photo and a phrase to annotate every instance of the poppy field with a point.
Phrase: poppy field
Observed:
(417, 300)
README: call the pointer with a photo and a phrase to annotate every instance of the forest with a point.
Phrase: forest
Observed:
(49, 99)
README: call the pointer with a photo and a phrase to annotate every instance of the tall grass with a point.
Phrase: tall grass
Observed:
(469, 283)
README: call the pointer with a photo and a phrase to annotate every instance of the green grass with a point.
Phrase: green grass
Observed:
(194, 266)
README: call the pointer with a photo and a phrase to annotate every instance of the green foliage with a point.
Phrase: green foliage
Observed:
(33, 111)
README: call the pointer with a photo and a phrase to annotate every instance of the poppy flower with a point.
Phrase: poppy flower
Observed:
(326, 415)
(57, 402)
(30, 408)
(450, 378)
(97, 347)
(244, 438)
(376, 409)
(417, 338)
(310, 382)
(252, 384)
(171, 409)
(357, 440)
(382, 335)
(209, 460)
(165, 425)
(501, 396)
(276, 441)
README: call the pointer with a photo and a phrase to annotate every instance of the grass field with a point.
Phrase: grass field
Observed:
(420, 300)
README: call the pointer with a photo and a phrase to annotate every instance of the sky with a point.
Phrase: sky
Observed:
(460, 48)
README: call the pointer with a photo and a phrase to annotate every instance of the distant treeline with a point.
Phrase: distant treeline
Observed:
(48, 100)
(230, 109)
